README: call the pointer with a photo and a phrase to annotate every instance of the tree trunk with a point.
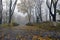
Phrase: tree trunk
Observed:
(1, 11)
(40, 14)
(37, 19)
(49, 17)
(1, 19)
(10, 19)
(50, 14)
(11, 11)
(54, 16)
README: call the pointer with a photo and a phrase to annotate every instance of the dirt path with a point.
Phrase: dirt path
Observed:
(27, 33)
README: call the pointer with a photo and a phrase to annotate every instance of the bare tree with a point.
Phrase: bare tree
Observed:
(1, 8)
(49, 7)
(54, 6)
(38, 8)
(11, 10)
(40, 14)
(26, 7)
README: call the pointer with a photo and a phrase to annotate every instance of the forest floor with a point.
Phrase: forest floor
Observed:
(45, 31)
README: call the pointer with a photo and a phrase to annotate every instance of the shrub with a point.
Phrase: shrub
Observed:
(15, 24)
(29, 24)
(4, 25)
(58, 24)
(8, 25)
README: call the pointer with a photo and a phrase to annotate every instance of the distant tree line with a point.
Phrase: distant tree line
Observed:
(31, 7)
(11, 10)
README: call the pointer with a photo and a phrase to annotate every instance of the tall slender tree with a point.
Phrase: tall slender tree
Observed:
(1, 8)
(38, 8)
(49, 7)
(54, 3)
(11, 10)
(40, 14)
(26, 7)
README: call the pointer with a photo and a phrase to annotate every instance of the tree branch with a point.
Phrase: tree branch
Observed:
(49, 7)
(13, 7)
(47, 4)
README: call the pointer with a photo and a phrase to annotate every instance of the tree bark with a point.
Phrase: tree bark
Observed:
(11, 10)
(1, 8)
(54, 17)
(40, 14)
(49, 17)
(54, 6)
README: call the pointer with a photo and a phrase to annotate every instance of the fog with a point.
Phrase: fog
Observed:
(22, 18)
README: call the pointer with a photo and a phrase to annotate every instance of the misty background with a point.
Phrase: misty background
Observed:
(22, 17)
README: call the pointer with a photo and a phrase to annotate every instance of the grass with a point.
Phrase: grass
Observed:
(44, 26)
(49, 26)
(8, 25)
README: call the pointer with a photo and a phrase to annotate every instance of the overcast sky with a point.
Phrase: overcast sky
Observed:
(16, 13)
(16, 9)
